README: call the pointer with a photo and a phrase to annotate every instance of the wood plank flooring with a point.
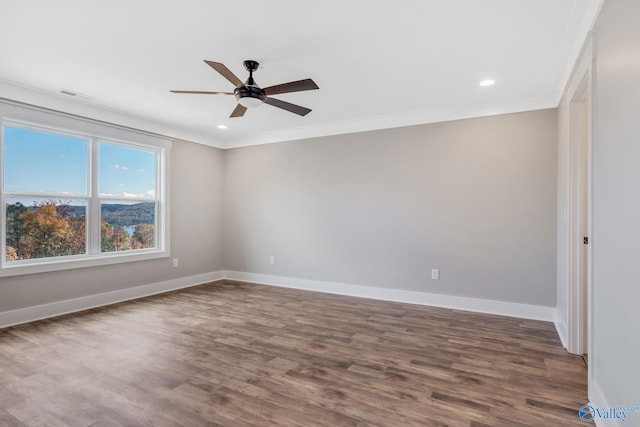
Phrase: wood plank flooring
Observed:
(238, 354)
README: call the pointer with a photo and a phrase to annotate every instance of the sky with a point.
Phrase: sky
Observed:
(37, 162)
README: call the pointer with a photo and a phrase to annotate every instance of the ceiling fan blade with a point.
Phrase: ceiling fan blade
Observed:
(297, 86)
(225, 72)
(199, 92)
(238, 111)
(296, 109)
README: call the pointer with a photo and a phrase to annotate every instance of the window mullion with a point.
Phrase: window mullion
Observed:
(94, 204)
(159, 191)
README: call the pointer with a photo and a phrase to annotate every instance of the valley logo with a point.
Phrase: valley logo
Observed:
(589, 413)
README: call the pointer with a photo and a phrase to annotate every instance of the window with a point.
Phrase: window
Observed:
(71, 199)
(128, 204)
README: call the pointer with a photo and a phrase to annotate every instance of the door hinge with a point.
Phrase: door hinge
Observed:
(585, 240)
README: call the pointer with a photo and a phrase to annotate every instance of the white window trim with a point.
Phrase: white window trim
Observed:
(39, 119)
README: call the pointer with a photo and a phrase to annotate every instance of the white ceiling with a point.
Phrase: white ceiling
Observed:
(378, 63)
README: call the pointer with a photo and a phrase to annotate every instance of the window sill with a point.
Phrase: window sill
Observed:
(70, 263)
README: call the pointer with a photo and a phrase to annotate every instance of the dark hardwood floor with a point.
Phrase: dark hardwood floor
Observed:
(238, 354)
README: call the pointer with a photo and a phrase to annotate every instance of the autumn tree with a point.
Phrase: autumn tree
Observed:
(76, 241)
(10, 253)
(143, 236)
(45, 232)
(106, 233)
(114, 238)
(57, 228)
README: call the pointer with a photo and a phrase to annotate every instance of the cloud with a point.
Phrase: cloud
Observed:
(106, 195)
(121, 167)
(141, 170)
(146, 195)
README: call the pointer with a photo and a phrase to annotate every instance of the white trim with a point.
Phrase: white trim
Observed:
(561, 328)
(579, 86)
(30, 314)
(597, 400)
(71, 262)
(44, 100)
(38, 312)
(585, 27)
(503, 308)
(85, 109)
(591, 344)
(409, 118)
(579, 175)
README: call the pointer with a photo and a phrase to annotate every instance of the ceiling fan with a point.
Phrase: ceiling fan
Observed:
(250, 95)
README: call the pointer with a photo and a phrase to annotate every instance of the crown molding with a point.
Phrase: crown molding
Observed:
(578, 48)
(411, 118)
(86, 109)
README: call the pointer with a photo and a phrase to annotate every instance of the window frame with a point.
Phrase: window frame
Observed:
(95, 133)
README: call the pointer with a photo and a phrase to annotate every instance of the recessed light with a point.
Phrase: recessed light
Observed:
(222, 127)
(487, 82)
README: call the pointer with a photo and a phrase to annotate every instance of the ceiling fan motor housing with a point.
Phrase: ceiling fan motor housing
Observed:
(250, 96)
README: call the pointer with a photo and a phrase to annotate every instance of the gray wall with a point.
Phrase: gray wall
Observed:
(616, 209)
(475, 198)
(196, 225)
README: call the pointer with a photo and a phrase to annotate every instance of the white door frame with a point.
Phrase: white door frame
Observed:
(579, 274)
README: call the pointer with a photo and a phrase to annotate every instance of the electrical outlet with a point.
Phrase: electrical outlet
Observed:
(176, 262)
(272, 259)
(435, 274)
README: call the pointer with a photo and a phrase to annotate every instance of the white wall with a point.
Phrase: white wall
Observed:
(475, 198)
(616, 216)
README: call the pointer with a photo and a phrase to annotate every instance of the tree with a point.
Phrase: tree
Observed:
(114, 238)
(10, 253)
(76, 242)
(45, 232)
(106, 233)
(143, 236)
(15, 227)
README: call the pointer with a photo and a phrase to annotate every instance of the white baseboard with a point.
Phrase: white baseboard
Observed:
(503, 308)
(597, 400)
(561, 328)
(29, 314)
(525, 311)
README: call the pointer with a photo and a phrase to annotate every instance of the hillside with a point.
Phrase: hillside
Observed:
(114, 213)
(124, 215)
